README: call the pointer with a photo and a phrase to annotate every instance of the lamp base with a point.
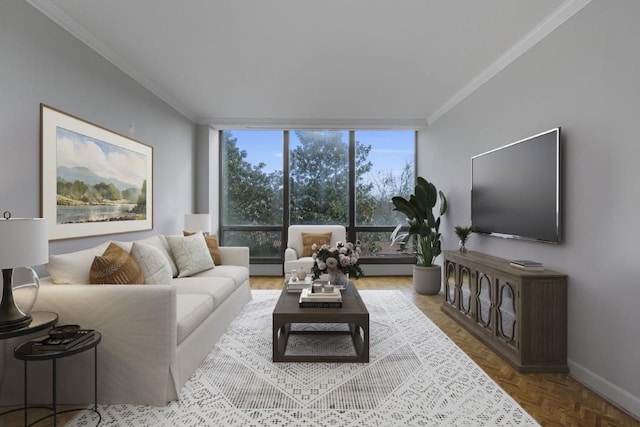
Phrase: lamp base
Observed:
(11, 317)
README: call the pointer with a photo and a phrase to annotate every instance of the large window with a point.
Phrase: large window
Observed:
(271, 179)
(252, 191)
(384, 166)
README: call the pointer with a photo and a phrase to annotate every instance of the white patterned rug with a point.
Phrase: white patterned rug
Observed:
(416, 377)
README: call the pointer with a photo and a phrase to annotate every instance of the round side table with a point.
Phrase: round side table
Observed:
(26, 353)
(40, 321)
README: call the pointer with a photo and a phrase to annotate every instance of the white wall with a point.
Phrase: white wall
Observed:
(583, 77)
(42, 63)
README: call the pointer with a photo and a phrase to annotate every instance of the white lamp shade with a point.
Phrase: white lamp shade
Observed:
(197, 222)
(23, 242)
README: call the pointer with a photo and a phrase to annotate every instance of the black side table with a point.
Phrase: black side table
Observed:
(40, 321)
(26, 353)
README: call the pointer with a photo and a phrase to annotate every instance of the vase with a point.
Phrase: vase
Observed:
(461, 247)
(25, 285)
(338, 278)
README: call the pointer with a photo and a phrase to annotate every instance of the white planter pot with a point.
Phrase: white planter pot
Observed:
(427, 280)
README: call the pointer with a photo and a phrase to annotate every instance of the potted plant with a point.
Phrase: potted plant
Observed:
(423, 239)
(463, 234)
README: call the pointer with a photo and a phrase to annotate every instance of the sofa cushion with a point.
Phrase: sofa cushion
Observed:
(115, 266)
(238, 273)
(190, 253)
(212, 244)
(159, 241)
(218, 288)
(155, 267)
(308, 239)
(74, 267)
(191, 311)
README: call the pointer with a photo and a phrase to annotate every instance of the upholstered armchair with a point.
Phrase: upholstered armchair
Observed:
(299, 241)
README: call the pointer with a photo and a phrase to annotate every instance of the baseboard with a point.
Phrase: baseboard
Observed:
(606, 389)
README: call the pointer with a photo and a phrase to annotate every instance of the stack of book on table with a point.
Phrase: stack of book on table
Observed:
(310, 299)
(60, 344)
(524, 264)
(295, 285)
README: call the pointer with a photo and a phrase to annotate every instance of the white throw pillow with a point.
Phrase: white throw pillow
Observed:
(190, 253)
(153, 263)
(74, 267)
(160, 242)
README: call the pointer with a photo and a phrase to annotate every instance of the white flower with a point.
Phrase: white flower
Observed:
(321, 264)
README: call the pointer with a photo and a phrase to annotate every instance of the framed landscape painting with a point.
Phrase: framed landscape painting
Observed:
(94, 181)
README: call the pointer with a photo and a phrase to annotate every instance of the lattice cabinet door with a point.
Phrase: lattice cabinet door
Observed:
(450, 284)
(507, 312)
(465, 275)
(485, 297)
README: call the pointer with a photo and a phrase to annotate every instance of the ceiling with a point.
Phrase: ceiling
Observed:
(303, 63)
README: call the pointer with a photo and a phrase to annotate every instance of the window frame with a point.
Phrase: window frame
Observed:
(351, 227)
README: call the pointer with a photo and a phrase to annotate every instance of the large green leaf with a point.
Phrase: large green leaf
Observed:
(403, 205)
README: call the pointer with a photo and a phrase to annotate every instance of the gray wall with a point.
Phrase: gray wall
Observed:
(583, 77)
(42, 63)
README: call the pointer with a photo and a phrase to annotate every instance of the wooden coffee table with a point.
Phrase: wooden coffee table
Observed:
(353, 313)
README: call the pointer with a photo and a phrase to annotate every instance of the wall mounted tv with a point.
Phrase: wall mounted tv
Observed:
(515, 189)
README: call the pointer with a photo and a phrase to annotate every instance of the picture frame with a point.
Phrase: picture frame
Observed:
(93, 181)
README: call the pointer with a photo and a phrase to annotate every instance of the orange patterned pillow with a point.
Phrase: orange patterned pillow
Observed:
(308, 239)
(115, 266)
(212, 244)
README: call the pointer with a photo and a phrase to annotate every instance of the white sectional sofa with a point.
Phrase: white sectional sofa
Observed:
(154, 336)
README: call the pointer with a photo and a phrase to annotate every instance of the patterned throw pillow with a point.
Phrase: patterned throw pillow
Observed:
(154, 265)
(212, 244)
(191, 254)
(115, 266)
(308, 239)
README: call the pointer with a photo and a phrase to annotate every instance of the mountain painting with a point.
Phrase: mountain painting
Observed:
(97, 181)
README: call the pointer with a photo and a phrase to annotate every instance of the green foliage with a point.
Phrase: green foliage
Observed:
(423, 240)
(251, 195)
(463, 233)
(141, 205)
(131, 194)
(320, 179)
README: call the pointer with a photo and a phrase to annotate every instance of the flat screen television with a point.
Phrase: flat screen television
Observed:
(515, 189)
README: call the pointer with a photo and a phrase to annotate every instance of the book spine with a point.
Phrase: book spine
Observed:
(318, 304)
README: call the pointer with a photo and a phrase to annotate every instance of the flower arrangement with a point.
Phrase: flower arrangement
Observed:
(342, 258)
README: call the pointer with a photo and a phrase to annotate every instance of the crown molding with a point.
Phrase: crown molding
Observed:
(342, 124)
(539, 32)
(61, 18)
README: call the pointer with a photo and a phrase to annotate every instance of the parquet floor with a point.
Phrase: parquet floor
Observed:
(552, 399)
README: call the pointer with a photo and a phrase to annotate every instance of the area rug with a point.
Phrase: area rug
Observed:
(416, 377)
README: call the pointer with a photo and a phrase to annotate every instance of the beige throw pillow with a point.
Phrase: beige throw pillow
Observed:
(308, 239)
(154, 265)
(212, 244)
(190, 253)
(115, 266)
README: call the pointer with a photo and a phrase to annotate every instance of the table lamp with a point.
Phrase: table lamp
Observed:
(23, 243)
(197, 222)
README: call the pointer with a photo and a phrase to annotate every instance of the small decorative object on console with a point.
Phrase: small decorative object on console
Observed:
(463, 234)
(524, 264)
